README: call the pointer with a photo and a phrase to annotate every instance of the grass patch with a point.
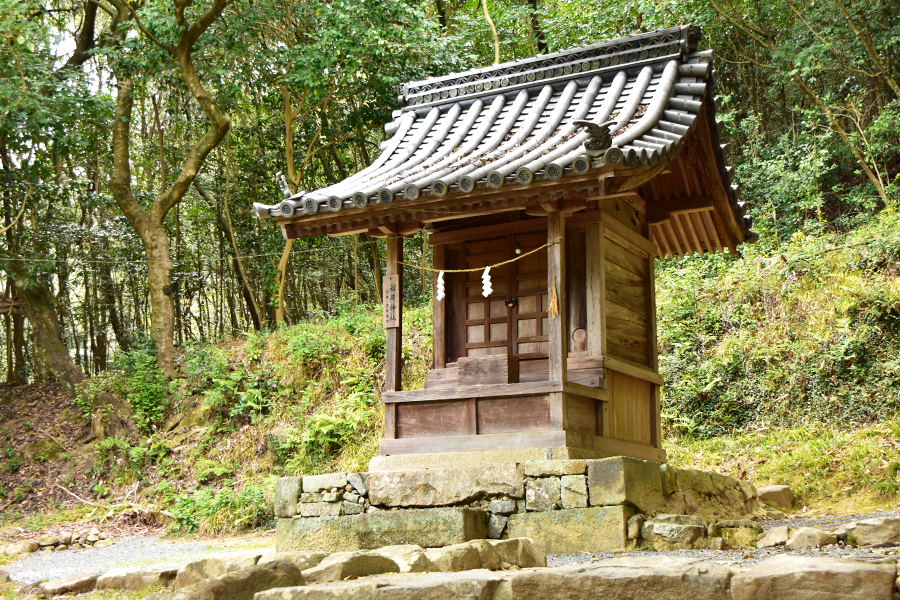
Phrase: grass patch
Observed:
(841, 470)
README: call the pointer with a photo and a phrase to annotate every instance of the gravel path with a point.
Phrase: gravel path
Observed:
(125, 552)
(151, 550)
(747, 557)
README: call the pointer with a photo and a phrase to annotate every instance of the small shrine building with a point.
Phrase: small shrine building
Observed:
(570, 173)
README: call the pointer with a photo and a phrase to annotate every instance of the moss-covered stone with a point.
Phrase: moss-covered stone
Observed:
(44, 450)
(573, 530)
(427, 528)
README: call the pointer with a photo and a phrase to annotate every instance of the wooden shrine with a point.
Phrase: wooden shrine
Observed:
(603, 159)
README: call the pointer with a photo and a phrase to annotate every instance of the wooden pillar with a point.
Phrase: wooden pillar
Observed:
(557, 326)
(393, 314)
(595, 256)
(439, 311)
(652, 350)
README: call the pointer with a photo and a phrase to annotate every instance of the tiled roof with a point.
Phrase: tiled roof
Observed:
(516, 123)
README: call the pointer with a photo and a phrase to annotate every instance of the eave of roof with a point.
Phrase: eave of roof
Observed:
(513, 124)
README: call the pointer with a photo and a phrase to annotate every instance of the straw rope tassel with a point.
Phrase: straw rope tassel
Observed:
(553, 309)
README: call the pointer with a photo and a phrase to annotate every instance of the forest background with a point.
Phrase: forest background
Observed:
(135, 136)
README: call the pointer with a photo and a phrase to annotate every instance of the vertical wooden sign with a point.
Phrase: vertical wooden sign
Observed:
(391, 290)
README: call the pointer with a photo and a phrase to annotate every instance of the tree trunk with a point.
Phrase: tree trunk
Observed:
(162, 308)
(19, 348)
(39, 306)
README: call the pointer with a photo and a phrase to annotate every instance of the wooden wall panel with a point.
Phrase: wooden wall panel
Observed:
(626, 303)
(581, 414)
(510, 415)
(627, 338)
(424, 419)
(626, 259)
(632, 401)
(625, 288)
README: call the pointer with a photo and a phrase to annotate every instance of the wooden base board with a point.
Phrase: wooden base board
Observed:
(575, 444)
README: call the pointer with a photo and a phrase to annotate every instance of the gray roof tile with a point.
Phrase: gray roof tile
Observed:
(514, 122)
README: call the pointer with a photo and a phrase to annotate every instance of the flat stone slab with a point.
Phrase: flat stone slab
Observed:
(651, 578)
(479, 584)
(807, 578)
(135, 579)
(444, 487)
(428, 528)
(621, 579)
(572, 530)
(73, 584)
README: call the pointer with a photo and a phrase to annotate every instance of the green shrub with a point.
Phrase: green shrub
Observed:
(210, 511)
(141, 382)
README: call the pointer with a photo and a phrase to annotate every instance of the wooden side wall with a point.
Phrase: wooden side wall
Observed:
(626, 303)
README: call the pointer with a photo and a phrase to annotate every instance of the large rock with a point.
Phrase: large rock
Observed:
(205, 568)
(502, 507)
(573, 491)
(777, 536)
(804, 578)
(427, 528)
(458, 557)
(777, 495)
(487, 554)
(320, 509)
(638, 578)
(287, 493)
(565, 531)
(23, 547)
(341, 565)
(495, 526)
(874, 531)
(480, 584)
(409, 558)
(739, 533)
(519, 552)
(554, 468)
(321, 483)
(542, 494)
(136, 579)
(810, 537)
(711, 496)
(72, 584)
(444, 487)
(244, 583)
(358, 481)
(623, 480)
(303, 560)
(679, 530)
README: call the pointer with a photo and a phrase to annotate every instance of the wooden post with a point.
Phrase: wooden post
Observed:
(557, 327)
(652, 351)
(393, 298)
(439, 312)
(595, 255)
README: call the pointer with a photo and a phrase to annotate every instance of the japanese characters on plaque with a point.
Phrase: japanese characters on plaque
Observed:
(392, 301)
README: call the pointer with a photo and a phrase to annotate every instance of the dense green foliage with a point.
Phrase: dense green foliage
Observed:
(806, 332)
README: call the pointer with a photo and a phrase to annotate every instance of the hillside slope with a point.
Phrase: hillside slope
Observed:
(780, 366)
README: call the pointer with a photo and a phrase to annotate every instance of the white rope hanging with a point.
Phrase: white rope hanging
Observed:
(439, 288)
(486, 289)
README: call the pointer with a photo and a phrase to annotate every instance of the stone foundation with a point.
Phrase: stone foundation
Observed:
(571, 505)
